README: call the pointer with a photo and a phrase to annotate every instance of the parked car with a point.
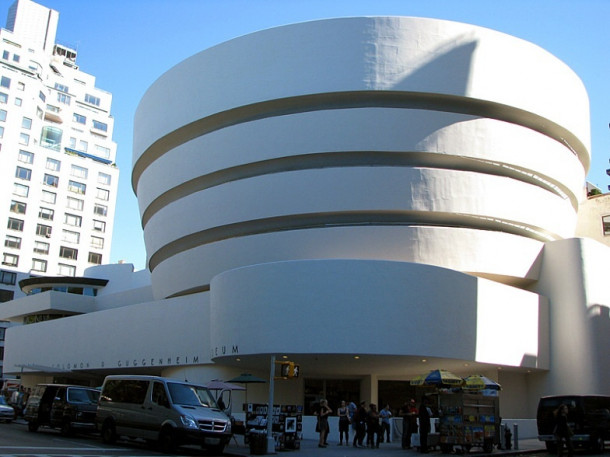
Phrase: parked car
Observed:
(588, 417)
(66, 407)
(7, 413)
(168, 411)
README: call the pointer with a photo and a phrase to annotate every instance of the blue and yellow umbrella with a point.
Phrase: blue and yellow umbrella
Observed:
(438, 378)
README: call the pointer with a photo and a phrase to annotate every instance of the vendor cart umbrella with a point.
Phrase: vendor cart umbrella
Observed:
(247, 378)
(438, 378)
(480, 382)
(217, 384)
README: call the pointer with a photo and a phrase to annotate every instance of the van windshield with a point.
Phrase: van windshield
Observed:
(190, 395)
(83, 396)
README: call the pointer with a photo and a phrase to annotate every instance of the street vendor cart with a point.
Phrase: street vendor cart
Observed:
(468, 420)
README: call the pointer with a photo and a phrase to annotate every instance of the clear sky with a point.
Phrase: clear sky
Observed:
(128, 44)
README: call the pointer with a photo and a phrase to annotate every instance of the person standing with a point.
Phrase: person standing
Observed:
(359, 425)
(411, 418)
(372, 427)
(323, 414)
(385, 414)
(424, 425)
(563, 432)
(344, 421)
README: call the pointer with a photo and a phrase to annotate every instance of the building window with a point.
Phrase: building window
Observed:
(3, 98)
(100, 210)
(79, 172)
(53, 164)
(17, 58)
(10, 260)
(26, 123)
(41, 247)
(15, 224)
(83, 145)
(75, 203)
(25, 156)
(97, 242)
(18, 101)
(99, 226)
(606, 225)
(66, 270)
(92, 100)
(79, 118)
(18, 207)
(43, 230)
(5, 55)
(103, 194)
(77, 187)
(63, 98)
(50, 180)
(24, 139)
(104, 178)
(46, 213)
(1, 132)
(8, 277)
(23, 173)
(2, 115)
(42, 96)
(51, 138)
(5, 82)
(39, 265)
(100, 126)
(21, 190)
(68, 253)
(102, 151)
(62, 88)
(73, 220)
(70, 236)
(49, 197)
(12, 242)
(6, 295)
(95, 258)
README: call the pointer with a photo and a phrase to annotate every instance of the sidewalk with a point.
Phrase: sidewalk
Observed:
(309, 448)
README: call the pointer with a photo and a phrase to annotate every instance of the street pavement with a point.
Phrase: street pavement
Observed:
(309, 448)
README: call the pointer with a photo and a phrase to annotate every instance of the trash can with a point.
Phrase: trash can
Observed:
(258, 442)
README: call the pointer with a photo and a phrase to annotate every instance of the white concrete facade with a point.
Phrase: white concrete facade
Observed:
(358, 195)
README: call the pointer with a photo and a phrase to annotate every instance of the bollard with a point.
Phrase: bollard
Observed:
(516, 436)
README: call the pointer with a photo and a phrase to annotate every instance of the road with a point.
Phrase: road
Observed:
(16, 440)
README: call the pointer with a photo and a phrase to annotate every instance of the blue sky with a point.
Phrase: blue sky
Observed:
(128, 44)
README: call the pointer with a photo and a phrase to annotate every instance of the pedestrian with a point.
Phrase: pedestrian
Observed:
(411, 418)
(563, 432)
(424, 425)
(322, 427)
(372, 427)
(344, 421)
(385, 414)
(359, 423)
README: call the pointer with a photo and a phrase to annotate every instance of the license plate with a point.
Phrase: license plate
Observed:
(212, 441)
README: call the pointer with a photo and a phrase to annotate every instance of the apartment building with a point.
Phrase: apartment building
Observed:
(58, 177)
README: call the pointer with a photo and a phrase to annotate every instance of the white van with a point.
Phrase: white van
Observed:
(169, 411)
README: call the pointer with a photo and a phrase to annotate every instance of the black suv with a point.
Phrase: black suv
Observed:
(61, 406)
(588, 416)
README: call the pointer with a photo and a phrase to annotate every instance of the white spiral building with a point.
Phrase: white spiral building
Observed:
(371, 198)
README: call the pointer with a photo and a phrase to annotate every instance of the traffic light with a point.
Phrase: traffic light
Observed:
(289, 370)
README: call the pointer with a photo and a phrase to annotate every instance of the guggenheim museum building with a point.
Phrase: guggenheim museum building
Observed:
(370, 198)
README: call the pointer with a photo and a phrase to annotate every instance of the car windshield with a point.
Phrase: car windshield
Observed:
(190, 395)
(83, 396)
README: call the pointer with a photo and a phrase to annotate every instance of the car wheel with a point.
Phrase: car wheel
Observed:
(32, 426)
(66, 428)
(108, 432)
(167, 441)
(596, 444)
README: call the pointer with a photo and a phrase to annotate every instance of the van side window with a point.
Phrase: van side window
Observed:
(125, 391)
(158, 394)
